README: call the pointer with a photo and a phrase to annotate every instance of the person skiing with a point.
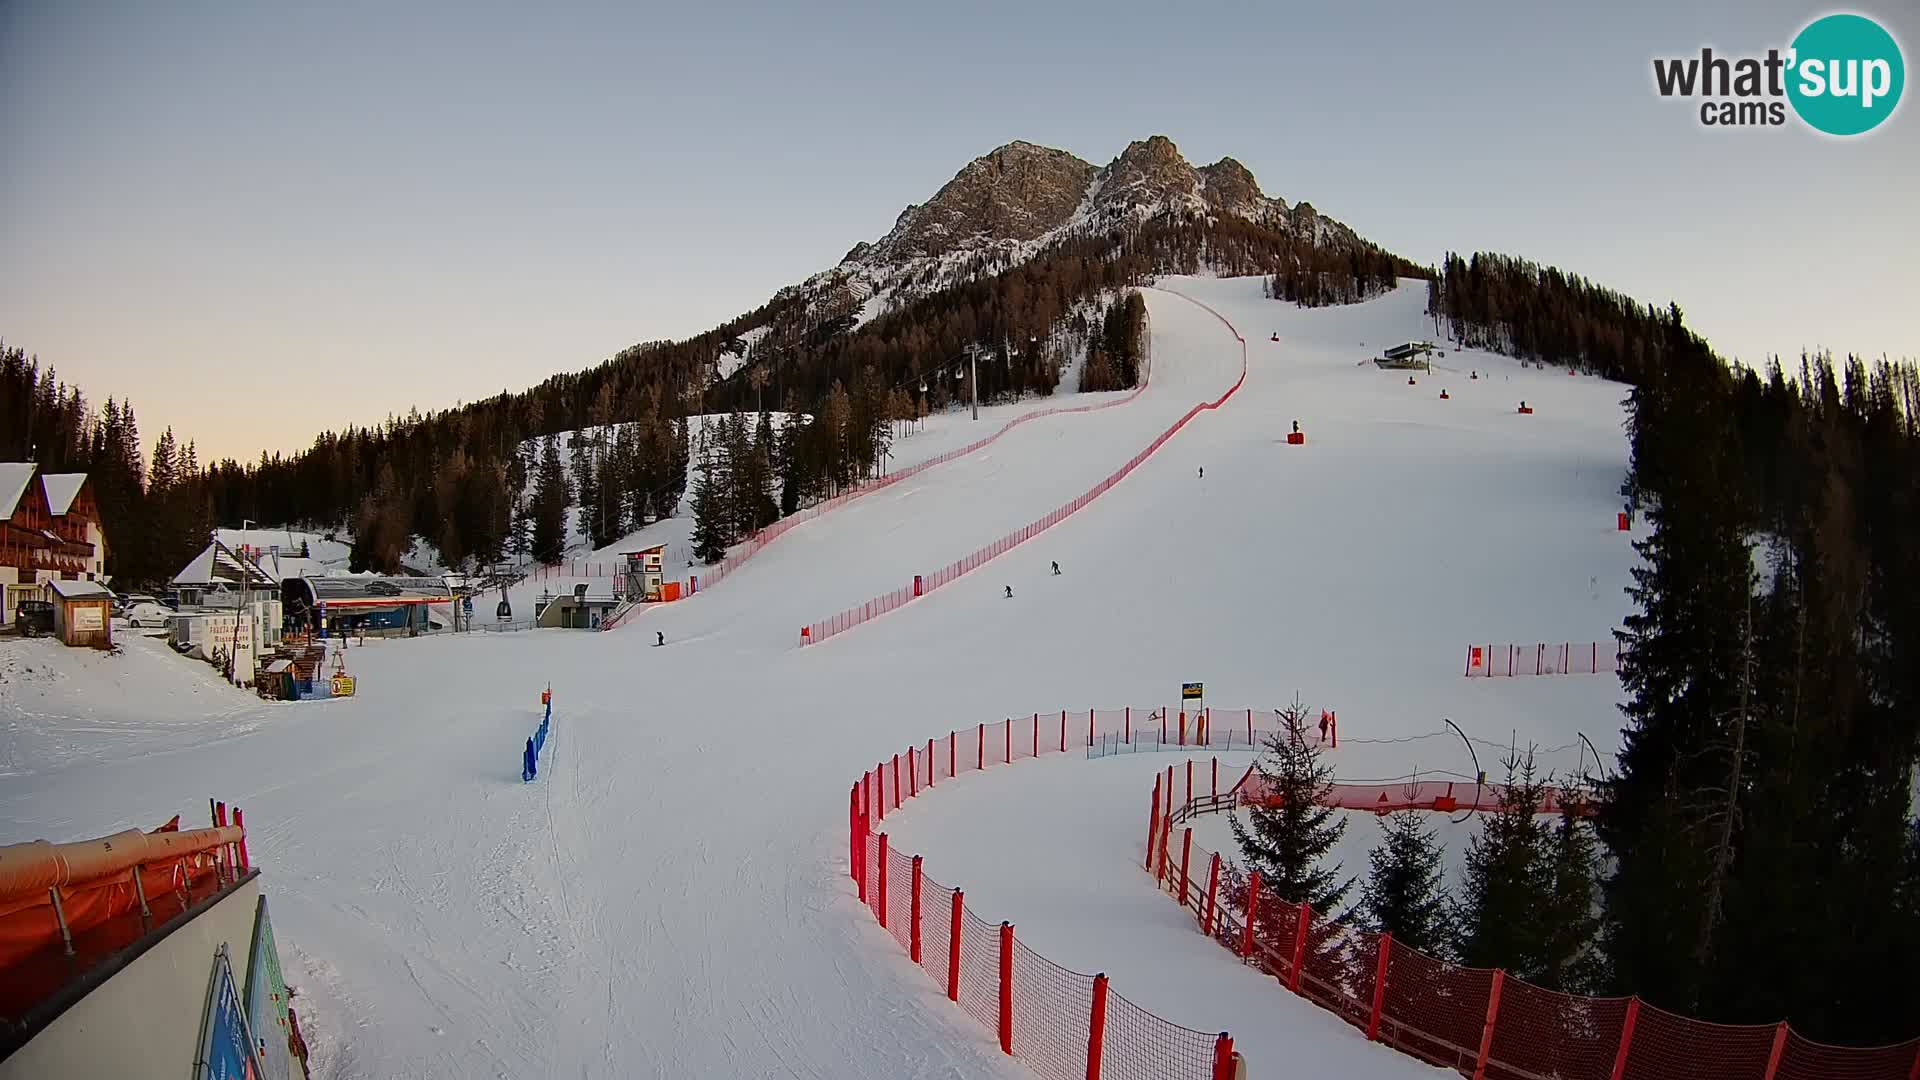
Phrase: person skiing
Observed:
(1009, 592)
(528, 762)
(1324, 721)
(659, 638)
(1203, 472)
(1056, 568)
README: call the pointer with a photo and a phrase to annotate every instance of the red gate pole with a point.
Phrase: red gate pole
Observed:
(1186, 854)
(1153, 821)
(1379, 988)
(880, 781)
(913, 774)
(1097, 1027)
(1213, 895)
(1486, 1033)
(981, 763)
(1036, 734)
(1223, 1058)
(953, 946)
(933, 769)
(240, 822)
(953, 739)
(1253, 907)
(1063, 731)
(1183, 727)
(1006, 987)
(1626, 1040)
(1009, 734)
(1779, 1047)
(896, 781)
(913, 928)
(1304, 919)
(883, 880)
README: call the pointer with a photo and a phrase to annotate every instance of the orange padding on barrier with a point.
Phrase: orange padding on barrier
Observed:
(28, 870)
(28, 925)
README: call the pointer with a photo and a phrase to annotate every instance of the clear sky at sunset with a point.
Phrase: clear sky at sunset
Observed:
(258, 221)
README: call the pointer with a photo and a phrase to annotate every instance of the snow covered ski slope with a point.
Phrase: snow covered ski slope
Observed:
(669, 897)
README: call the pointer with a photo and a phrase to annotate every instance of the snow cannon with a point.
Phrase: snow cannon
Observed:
(1526, 409)
(1296, 437)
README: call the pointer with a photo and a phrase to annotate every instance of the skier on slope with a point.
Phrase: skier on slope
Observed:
(528, 762)
(1009, 592)
(1056, 568)
(1203, 472)
(659, 638)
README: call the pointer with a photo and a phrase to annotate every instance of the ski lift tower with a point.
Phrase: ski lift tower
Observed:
(644, 573)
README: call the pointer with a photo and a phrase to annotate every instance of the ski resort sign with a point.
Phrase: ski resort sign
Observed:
(1842, 74)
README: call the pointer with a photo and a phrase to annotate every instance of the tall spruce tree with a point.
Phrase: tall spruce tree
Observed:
(711, 513)
(1405, 890)
(550, 502)
(1288, 835)
(1504, 915)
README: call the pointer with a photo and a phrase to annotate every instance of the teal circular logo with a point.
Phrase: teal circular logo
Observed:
(1846, 74)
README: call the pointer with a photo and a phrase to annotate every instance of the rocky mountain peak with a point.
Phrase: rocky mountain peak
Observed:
(1017, 192)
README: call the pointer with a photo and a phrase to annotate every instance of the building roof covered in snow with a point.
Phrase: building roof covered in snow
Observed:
(14, 478)
(221, 565)
(79, 590)
(61, 489)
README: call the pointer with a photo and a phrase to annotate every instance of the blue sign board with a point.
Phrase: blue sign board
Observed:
(226, 1049)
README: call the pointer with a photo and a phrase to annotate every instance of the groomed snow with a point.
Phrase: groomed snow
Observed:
(670, 898)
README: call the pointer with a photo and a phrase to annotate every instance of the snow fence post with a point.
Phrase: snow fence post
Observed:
(1097, 1027)
(1009, 742)
(1183, 727)
(1186, 854)
(1036, 734)
(913, 774)
(1223, 1057)
(1626, 1040)
(1486, 1032)
(1304, 919)
(1126, 730)
(933, 768)
(1779, 1048)
(913, 933)
(1089, 728)
(1006, 988)
(1216, 777)
(981, 761)
(1253, 907)
(1380, 988)
(1213, 896)
(853, 838)
(1063, 731)
(896, 781)
(953, 739)
(953, 946)
(1166, 860)
(1189, 801)
(883, 881)
(880, 780)
(1153, 821)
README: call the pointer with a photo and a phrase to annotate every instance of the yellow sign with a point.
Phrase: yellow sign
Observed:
(1190, 690)
(343, 686)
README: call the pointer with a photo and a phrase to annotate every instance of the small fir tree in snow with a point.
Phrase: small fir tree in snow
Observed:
(1507, 900)
(1405, 894)
(710, 514)
(1287, 837)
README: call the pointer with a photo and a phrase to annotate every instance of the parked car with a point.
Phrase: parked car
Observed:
(148, 613)
(34, 617)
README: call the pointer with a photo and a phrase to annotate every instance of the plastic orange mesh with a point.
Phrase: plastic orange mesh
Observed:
(1666, 1045)
(936, 929)
(899, 896)
(1541, 1032)
(1142, 1046)
(1052, 1010)
(1804, 1059)
(1432, 1010)
(980, 970)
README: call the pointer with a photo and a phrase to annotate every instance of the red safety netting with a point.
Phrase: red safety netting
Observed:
(936, 929)
(1439, 1012)
(1141, 1046)
(980, 970)
(926, 583)
(1050, 1005)
(899, 896)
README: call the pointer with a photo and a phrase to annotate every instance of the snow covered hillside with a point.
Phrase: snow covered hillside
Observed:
(670, 897)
